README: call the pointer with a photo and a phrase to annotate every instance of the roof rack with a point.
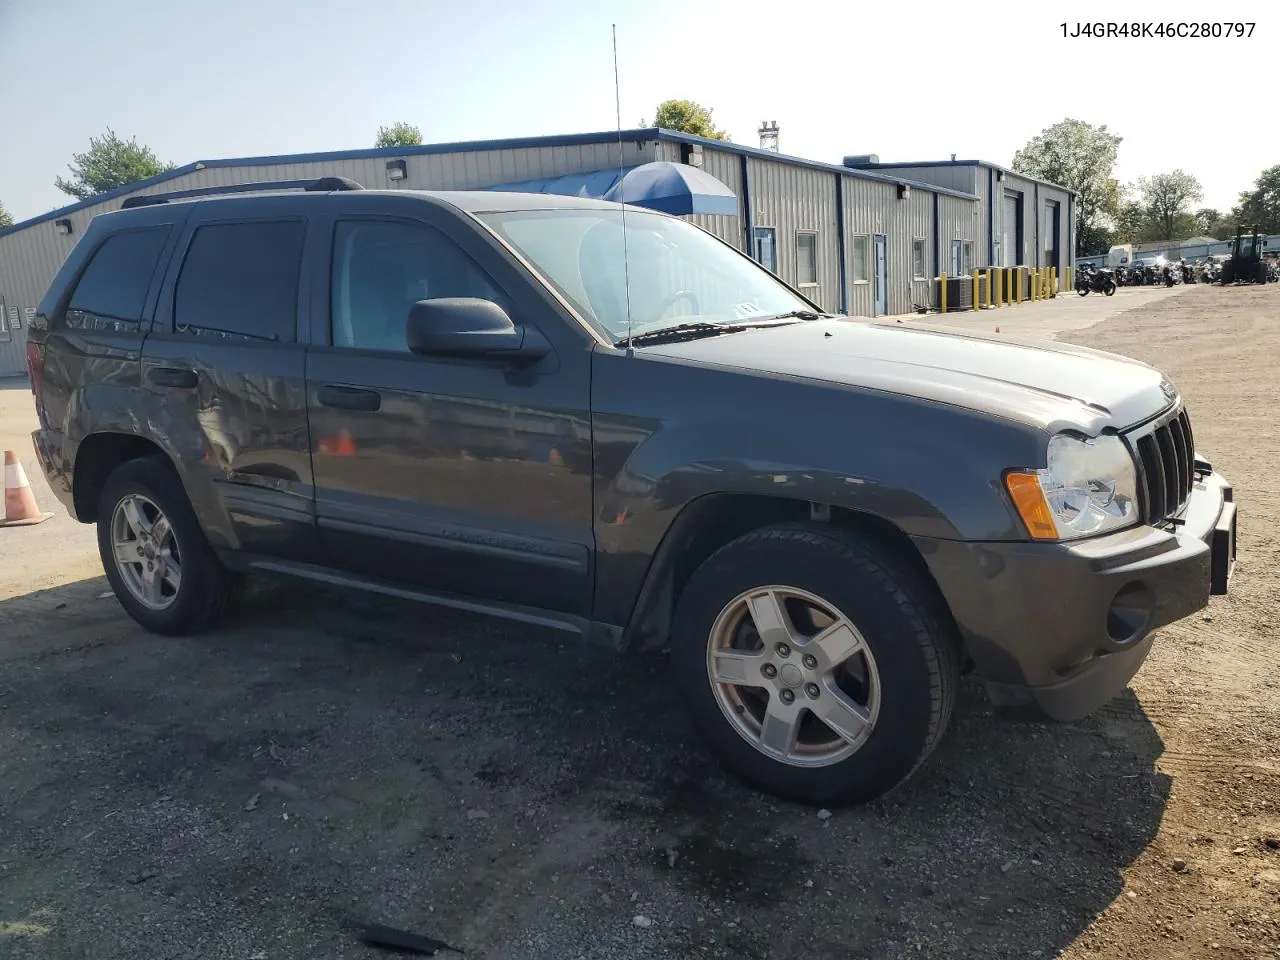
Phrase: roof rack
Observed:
(320, 184)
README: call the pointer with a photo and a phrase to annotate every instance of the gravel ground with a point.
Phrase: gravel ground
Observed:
(327, 758)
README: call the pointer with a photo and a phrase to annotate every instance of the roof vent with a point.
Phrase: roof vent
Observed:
(861, 160)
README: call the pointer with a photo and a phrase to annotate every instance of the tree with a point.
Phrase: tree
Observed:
(5, 219)
(1260, 207)
(1165, 197)
(1211, 223)
(399, 134)
(686, 117)
(1081, 157)
(1133, 222)
(109, 162)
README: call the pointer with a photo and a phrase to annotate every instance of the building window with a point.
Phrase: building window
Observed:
(766, 248)
(806, 258)
(861, 247)
(919, 260)
(961, 258)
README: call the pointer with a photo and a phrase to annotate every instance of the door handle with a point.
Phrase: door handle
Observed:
(350, 398)
(173, 377)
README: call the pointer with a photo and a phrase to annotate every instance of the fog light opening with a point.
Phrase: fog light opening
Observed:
(1130, 613)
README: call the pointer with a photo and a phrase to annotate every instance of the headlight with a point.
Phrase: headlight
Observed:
(1089, 486)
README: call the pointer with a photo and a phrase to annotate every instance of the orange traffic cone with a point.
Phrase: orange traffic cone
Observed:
(20, 507)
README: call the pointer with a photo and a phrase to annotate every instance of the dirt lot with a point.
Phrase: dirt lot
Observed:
(327, 757)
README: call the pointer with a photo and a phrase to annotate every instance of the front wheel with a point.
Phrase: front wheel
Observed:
(816, 666)
(1082, 290)
(155, 554)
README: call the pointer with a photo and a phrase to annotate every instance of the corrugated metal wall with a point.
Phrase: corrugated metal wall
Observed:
(870, 208)
(960, 220)
(955, 177)
(790, 199)
(30, 258)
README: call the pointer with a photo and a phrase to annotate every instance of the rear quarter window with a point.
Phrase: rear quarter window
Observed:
(112, 291)
(241, 280)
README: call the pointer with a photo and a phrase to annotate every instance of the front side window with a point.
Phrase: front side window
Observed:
(919, 260)
(861, 247)
(670, 273)
(113, 287)
(381, 268)
(241, 280)
(806, 258)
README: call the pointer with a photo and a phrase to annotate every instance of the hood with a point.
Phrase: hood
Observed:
(1043, 384)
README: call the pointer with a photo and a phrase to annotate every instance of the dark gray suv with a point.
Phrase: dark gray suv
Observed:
(611, 423)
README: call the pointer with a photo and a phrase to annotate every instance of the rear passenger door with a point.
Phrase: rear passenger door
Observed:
(225, 370)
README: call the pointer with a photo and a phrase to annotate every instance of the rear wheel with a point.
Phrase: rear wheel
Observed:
(815, 666)
(1110, 288)
(154, 553)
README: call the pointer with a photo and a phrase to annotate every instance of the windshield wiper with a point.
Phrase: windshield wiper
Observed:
(798, 314)
(703, 328)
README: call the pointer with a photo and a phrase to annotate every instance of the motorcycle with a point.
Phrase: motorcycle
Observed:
(1095, 281)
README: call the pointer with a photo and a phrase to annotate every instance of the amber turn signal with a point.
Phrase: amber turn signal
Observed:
(1032, 507)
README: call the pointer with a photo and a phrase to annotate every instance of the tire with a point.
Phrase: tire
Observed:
(204, 587)
(1110, 288)
(909, 658)
(1083, 291)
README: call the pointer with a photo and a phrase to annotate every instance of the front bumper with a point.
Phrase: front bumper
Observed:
(1066, 625)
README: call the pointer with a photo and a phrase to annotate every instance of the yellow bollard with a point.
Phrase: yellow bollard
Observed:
(1017, 285)
(1033, 286)
(991, 294)
(942, 306)
(1068, 278)
(974, 299)
(1005, 285)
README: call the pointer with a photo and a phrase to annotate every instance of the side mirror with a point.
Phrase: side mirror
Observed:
(466, 327)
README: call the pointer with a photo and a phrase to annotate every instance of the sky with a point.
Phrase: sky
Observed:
(229, 78)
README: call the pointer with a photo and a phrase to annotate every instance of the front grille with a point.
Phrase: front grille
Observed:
(1166, 457)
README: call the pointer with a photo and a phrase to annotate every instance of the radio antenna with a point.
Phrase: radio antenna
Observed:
(622, 198)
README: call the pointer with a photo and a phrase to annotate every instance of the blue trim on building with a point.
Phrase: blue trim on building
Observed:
(1035, 193)
(748, 212)
(937, 246)
(991, 218)
(844, 280)
(473, 146)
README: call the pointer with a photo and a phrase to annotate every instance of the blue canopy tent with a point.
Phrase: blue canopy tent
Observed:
(674, 188)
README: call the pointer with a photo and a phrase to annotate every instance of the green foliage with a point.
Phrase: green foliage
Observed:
(5, 219)
(1082, 157)
(1260, 207)
(1093, 241)
(399, 134)
(110, 162)
(1211, 223)
(1165, 198)
(687, 117)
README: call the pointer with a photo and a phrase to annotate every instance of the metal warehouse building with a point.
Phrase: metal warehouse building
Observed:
(861, 238)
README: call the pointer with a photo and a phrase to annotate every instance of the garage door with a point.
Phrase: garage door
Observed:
(1012, 246)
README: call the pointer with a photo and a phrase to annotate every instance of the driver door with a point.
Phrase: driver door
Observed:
(463, 476)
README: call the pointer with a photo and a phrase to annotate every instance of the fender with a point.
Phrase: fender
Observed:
(777, 440)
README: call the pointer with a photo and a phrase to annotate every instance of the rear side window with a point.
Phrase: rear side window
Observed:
(241, 280)
(112, 291)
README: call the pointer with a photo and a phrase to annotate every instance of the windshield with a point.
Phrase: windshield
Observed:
(676, 272)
